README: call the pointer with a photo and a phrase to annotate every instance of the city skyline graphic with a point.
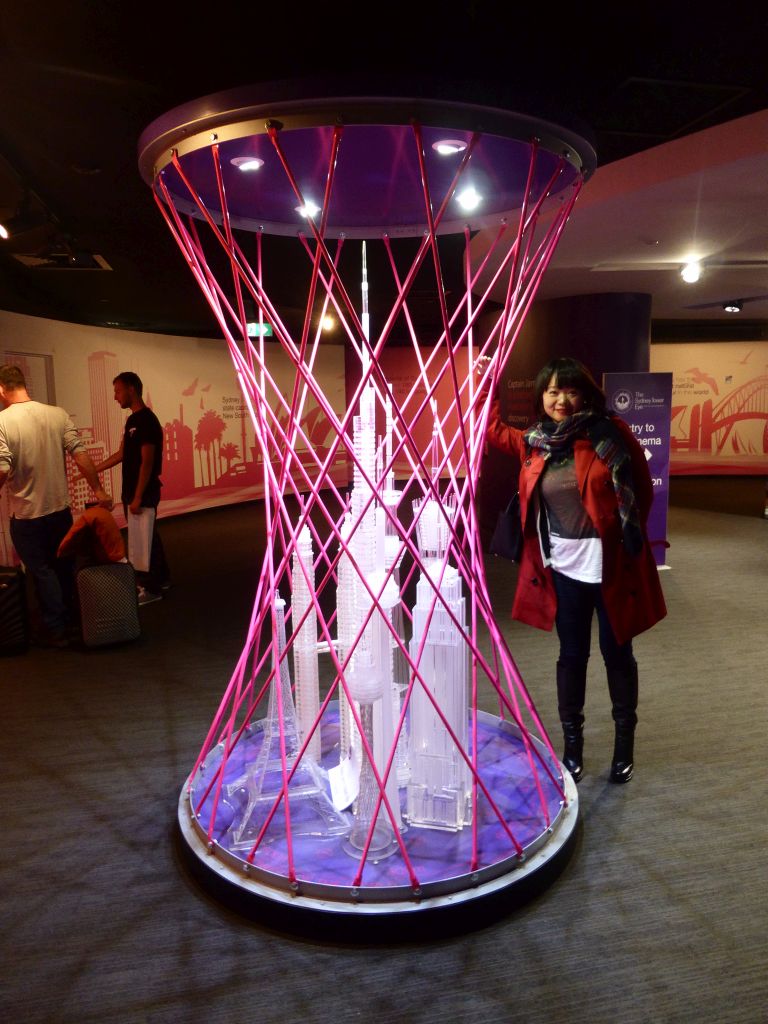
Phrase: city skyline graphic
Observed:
(209, 452)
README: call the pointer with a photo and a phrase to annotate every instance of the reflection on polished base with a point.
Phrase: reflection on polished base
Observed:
(439, 858)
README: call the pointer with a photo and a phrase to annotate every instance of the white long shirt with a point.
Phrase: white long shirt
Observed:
(33, 440)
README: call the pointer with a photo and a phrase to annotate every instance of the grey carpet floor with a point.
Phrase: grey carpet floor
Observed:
(659, 914)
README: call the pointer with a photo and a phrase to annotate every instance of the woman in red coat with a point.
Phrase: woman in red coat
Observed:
(585, 495)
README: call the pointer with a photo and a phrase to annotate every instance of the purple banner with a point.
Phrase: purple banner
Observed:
(644, 401)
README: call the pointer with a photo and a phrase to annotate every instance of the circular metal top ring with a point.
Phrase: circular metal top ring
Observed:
(262, 131)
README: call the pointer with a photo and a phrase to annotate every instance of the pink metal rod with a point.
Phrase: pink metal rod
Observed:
(190, 189)
(513, 250)
(413, 665)
(438, 711)
(415, 675)
(340, 677)
(381, 782)
(229, 744)
(440, 286)
(431, 388)
(319, 237)
(404, 651)
(382, 796)
(245, 373)
(405, 535)
(376, 596)
(204, 283)
(336, 138)
(458, 455)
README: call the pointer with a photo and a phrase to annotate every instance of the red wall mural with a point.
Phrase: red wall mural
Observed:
(210, 455)
(719, 406)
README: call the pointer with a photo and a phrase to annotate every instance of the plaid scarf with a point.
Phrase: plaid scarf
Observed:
(552, 438)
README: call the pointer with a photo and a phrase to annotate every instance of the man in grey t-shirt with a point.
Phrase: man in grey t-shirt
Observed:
(33, 441)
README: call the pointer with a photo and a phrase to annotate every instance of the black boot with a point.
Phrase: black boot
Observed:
(622, 685)
(573, 754)
(622, 765)
(571, 687)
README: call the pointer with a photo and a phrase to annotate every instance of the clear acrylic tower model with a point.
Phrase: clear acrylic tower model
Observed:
(375, 749)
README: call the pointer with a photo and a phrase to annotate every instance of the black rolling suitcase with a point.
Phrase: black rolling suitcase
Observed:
(109, 607)
(14, 622)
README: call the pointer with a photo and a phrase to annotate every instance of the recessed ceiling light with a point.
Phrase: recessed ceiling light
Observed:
(691, 272)
(734, 306)
(469, 199)
(446, 147)
(309, 209)
(247, 163)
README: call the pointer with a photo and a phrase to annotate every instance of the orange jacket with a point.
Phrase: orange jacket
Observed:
(631, 588)
(95, 536)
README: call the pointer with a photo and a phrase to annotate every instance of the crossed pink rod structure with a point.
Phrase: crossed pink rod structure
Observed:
(445, 471)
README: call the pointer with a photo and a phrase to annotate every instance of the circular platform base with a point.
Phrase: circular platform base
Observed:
(324, 871)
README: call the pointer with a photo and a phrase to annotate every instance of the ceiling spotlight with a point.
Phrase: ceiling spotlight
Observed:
(691, 272)
(734, 306)
(309, 209)
(327, 323)
(247, 163)
(4, 232)
(469, 199)
(446, 147)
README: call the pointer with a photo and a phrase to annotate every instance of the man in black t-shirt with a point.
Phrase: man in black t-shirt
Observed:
(141, 453)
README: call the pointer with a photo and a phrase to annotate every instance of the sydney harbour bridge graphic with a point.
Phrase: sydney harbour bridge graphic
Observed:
(726, 426)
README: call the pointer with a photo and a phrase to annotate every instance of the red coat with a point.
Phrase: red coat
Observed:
(631, 588)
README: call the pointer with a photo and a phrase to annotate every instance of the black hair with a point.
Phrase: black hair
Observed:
(131, 380)
(12, 378)
(569, 373)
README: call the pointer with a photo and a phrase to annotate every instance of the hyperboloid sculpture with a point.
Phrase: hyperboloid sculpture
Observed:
(376, 750)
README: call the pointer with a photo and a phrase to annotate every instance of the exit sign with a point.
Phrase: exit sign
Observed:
(259, 330)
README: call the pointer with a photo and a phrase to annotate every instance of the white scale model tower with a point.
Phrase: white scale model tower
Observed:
(439, 787)
(305, 662)
(428, 762)
(369, 670)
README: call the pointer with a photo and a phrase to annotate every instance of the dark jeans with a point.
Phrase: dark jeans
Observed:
(159, 573)
(36, 542)
(576, 603)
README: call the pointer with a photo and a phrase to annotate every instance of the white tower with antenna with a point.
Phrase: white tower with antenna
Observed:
(305, 659)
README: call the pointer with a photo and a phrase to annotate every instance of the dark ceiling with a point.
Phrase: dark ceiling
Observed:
(81, 80)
